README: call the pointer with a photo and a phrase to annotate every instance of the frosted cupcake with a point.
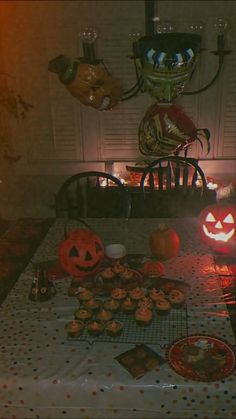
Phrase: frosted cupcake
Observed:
(176, 298)
(95, 328)
(74, 328)
(83, 314)
(156, 294)
(118, 293)
(92, 304)
(84, 295)
(143, 316)
(118, 268)
(111, 304)
(114, 328)
(137, 293)
(127, 274)
(107, 273)
(145, 302)
(128, 305)
(162, 306)
(104, 315)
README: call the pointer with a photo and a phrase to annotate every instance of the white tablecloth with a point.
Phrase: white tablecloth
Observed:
(45, 375)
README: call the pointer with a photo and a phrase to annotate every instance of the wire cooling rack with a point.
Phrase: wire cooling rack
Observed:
(163, 330)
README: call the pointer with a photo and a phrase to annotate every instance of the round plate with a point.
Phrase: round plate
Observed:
(201, 358)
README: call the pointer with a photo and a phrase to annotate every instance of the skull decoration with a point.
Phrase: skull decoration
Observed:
(81, 253)
(90, 83)
(217, 223)
(166, 129)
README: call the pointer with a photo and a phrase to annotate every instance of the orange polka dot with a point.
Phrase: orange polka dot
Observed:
(174, 401)
(141, 391)
(121, 388)
(94, 393)
(68, 396)
(82, 409)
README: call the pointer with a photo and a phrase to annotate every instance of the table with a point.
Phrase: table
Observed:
(45, 375)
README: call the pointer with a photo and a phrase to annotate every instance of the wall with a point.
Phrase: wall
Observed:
(60, 136)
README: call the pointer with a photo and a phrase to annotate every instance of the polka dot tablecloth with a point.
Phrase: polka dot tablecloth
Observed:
(45, 375)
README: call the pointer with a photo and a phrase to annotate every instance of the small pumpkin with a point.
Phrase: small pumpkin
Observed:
(217, 225)
(164, 242)
(153, 268)
(81, 253)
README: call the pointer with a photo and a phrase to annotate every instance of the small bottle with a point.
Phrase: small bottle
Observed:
(33, 295)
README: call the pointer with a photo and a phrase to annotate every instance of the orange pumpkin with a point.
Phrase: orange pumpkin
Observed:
(151, 268)
(81, 253)
(217, 225)
(164, 242)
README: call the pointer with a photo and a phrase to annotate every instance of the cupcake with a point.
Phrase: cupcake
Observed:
(92, 304)
(118, 293)
(156, 294)
(114, 328)
(162, 306)
(107, 273)
(128, 305)
(83, 314)
(176, 298)
(145, 302)
(111, 304)
(137, 293)
(143, 316)
(84, 295)
(118, 268)
(127, 274)
(104, 315)
(74, 328)
(95, 328)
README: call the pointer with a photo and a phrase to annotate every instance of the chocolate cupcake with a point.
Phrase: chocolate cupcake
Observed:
(74, 328)
(104, 315)
(95, 328)
(145, 302)
(176, 298)
(92, 304)
(128, 305)
(114, 328)
(111, 304)
(156, 294)
(143, 316)
(137, 293)
(118, 293)
(162, 306)
(83, 314)
(84, 295)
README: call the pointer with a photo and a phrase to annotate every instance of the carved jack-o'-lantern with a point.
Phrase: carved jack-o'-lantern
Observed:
(217, 223)
(81, 252)
(95, 87)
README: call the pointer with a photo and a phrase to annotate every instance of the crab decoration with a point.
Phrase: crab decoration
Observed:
(217, 223)
(166, 129)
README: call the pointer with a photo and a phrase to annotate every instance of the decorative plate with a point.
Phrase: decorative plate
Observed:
(201, 358)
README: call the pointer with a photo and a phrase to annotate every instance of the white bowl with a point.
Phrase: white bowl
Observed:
(115, 251)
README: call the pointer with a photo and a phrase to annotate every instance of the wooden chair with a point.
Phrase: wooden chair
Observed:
(177, 188)
(93, 194)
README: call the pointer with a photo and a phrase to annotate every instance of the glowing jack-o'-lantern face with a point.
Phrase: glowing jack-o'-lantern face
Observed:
(218, 226)
(81, 252)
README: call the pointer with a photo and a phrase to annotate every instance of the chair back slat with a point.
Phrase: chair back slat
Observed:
(177, 175)
(168, 176)
(160, 178)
